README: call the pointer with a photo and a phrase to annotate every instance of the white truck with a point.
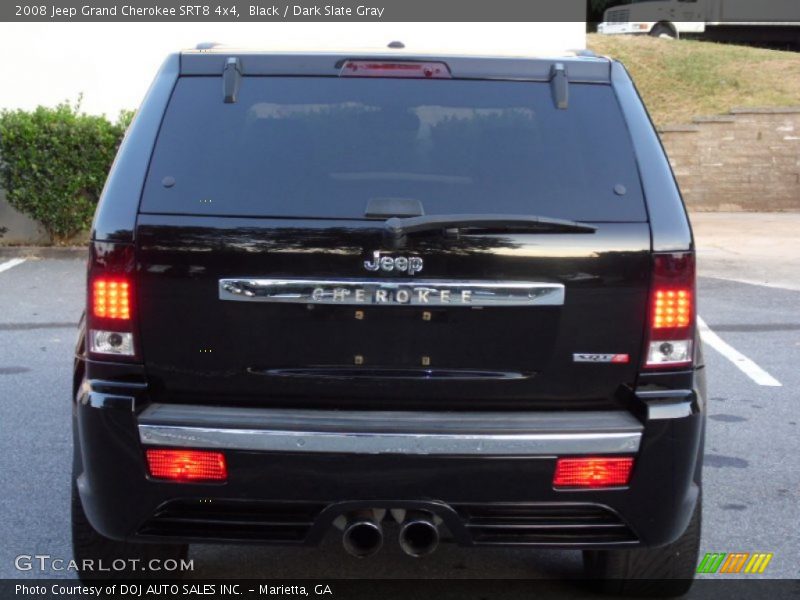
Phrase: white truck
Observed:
(766, 21)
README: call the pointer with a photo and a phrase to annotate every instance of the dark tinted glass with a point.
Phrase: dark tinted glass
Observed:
(323, 147)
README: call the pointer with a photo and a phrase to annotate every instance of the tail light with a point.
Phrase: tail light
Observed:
(403, 69)
(110, 314)
(592, 472)
(186, 465)
(111, 298)
(672, 311)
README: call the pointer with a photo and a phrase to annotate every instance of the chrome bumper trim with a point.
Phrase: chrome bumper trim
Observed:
(397, 292)
(533, 444)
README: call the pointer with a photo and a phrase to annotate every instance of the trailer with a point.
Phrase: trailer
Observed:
(769, 22)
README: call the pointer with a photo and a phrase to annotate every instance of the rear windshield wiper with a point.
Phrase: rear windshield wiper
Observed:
(397, 228)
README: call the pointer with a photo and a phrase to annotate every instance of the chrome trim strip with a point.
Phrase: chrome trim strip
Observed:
(392, 421)
(392, 292)
(533, 444)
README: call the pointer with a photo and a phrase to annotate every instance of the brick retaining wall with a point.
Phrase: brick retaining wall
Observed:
(748, 160)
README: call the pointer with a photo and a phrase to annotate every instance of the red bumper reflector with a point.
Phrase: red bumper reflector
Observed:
(592, 472)
(187, 465)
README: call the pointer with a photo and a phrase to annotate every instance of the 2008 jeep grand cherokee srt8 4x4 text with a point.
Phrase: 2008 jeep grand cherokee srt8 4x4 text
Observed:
(333, 290)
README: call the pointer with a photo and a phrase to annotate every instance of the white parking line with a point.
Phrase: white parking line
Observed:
(9, 264)
(746, 366)
(768, 284)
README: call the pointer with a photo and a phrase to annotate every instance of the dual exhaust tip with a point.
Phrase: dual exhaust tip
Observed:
(363, 534)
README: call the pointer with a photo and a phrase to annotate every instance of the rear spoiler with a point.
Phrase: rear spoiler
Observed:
(581, 69)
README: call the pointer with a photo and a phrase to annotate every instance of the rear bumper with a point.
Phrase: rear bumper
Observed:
(291, 473)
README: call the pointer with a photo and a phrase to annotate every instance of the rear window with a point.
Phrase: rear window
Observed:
(324, 147)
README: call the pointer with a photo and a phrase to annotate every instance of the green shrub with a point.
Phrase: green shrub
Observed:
(54, 162)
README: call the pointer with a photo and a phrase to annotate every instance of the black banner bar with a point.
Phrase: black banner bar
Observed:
(295, 10)
(385, 589)
(784, 12)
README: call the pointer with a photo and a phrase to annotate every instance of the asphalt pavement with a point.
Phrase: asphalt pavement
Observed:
(752, 468)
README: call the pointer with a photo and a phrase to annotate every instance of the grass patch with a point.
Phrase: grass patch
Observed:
(682, 79)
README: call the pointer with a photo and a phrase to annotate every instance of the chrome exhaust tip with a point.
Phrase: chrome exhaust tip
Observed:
(362, 536)
(419, 535)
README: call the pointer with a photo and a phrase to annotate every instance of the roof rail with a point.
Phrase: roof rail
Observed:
(207, 45)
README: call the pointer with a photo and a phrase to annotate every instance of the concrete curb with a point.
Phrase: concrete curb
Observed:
(48, 252)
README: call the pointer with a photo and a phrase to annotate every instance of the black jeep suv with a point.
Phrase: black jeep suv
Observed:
(335, 290)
